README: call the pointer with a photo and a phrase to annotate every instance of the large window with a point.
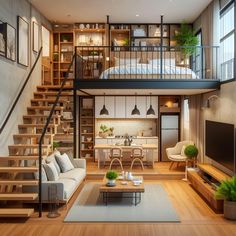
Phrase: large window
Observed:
(227, 34)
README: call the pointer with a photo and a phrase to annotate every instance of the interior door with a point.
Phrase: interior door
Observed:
(46, 61)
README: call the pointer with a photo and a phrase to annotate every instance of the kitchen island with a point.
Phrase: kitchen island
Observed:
(102, 149)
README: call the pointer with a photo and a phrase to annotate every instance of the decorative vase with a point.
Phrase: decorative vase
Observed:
(230, 210)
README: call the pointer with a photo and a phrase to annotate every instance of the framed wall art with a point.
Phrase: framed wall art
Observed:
(35, 37)
(10, 42)
(23, 41)
(2, 38)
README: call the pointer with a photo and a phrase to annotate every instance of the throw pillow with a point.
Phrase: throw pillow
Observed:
(51, 171)
(182, 151)
(52, 158)
(64, 162)
(44, 176)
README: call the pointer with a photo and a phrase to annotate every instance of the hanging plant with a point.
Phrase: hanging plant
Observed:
(186, 39)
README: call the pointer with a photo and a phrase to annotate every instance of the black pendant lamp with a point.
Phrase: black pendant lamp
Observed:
(150, 110)
(135, 111)
(104, 111)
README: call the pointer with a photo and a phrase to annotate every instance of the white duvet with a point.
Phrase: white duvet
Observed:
(148, 69)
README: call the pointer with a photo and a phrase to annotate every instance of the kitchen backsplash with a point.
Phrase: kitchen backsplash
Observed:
(132, 127)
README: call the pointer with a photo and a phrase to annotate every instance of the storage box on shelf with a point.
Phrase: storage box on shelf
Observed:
(86, 127)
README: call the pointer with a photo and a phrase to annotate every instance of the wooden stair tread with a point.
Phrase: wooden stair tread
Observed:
(48, 100)
(36, 125)
(21, 169)
(16, 212)
(39, 116)
(32, 135)
(18, 196)
(29, 146)
(54, 87)
(19, 182)
(18, 158)
(44, 108)
(51, 93)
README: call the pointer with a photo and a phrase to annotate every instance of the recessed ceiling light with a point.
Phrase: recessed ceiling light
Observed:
(137, 15)
(68, 15)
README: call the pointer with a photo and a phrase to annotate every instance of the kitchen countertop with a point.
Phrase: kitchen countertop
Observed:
(109, 146)
(138, 137)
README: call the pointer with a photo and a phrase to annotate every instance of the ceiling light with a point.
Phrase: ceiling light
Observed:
(150, 111)
(104, 111)
(137, 15)
(135, 111)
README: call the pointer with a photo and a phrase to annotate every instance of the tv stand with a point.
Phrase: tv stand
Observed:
(205, 182)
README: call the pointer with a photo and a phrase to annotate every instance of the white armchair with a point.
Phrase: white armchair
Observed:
(175, 154)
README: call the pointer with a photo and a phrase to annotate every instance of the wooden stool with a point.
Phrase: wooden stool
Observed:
(116, 155)
(137, 155)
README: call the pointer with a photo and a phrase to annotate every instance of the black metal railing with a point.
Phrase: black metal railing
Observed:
(45, 130)
(20, 92)
(146, 62)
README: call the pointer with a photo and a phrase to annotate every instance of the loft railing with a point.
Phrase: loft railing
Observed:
(45, 130)
(146, 62)
(20, 92)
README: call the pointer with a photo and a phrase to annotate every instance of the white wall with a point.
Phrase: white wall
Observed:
(12, 75)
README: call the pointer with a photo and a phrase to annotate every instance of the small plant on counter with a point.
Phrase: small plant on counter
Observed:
(111, 176)
(104, 128)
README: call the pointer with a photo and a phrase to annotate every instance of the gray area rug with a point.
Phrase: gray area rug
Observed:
(154, 207)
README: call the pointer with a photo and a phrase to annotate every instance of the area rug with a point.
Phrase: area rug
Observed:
(154, 207)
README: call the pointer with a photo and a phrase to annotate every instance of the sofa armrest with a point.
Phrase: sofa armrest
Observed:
(79, 163)
(45, 190)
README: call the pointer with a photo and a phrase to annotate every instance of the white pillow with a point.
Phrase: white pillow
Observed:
(126, 61)
(182, 151)
(165, 62)
(51, 171)
(64, 162)
(52, 158)
(44, 176)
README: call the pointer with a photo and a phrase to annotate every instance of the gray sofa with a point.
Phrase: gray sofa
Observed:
(67, 183)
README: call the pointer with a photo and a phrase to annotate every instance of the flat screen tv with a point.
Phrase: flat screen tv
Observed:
(220, 143)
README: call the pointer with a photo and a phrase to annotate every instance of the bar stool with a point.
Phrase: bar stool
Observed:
(116, 155)
(137, 155)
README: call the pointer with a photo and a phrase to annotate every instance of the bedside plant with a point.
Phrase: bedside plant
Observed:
(111, 176)
(227, 191)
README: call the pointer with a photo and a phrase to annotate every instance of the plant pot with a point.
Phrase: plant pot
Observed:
(230, 210)
(111, 181)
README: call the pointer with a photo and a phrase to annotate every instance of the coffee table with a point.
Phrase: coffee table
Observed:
(134, 190)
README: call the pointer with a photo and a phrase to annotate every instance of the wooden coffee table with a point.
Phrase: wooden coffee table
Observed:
(134, 190)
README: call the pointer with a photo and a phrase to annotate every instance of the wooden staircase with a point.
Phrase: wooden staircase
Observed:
(23, 154)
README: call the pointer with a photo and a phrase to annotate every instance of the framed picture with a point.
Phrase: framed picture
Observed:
(2, 38)
(10, 42)
(23, 41)
(35, 37)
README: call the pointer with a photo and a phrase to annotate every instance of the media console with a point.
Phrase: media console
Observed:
(205, 181)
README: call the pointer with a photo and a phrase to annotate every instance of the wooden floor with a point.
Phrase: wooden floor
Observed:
(197, 219)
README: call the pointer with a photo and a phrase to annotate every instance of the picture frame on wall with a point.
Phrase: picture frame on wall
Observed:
(22, 41)
(2, 38)
(35, 37)
(10, 42)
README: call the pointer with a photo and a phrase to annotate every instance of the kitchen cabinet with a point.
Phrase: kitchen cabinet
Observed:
(141, 105)
(110, 106)
(120, 107)
(154, 101)
(155, 152)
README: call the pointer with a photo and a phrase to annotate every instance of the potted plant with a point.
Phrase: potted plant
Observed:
(55, 145)
(111, 176)
(227, 191)
(191, 152)
(103, 131)
(186, 38)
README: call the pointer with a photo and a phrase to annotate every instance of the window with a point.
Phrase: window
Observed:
(227, 33)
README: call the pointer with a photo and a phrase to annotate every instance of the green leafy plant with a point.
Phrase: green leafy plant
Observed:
(191, 151)
(227, 190)
(126, 42)
(186, 39)
(55, 144)
(104, 128)
(111, 175)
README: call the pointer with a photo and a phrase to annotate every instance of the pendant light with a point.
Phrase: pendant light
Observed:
(135, 111)
(104, 111)
(150, 110)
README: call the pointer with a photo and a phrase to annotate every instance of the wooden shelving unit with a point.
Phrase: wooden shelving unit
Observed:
(86, 127)
(63, 49)
(205, 186)
(169, 104)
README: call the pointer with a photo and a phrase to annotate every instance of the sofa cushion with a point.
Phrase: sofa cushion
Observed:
(44, 176)
(69, 186)
(53, 159)
(64, 162)
(77, 174)
(51, 171)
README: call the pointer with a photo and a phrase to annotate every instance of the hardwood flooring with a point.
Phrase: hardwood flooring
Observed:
(197, 219)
